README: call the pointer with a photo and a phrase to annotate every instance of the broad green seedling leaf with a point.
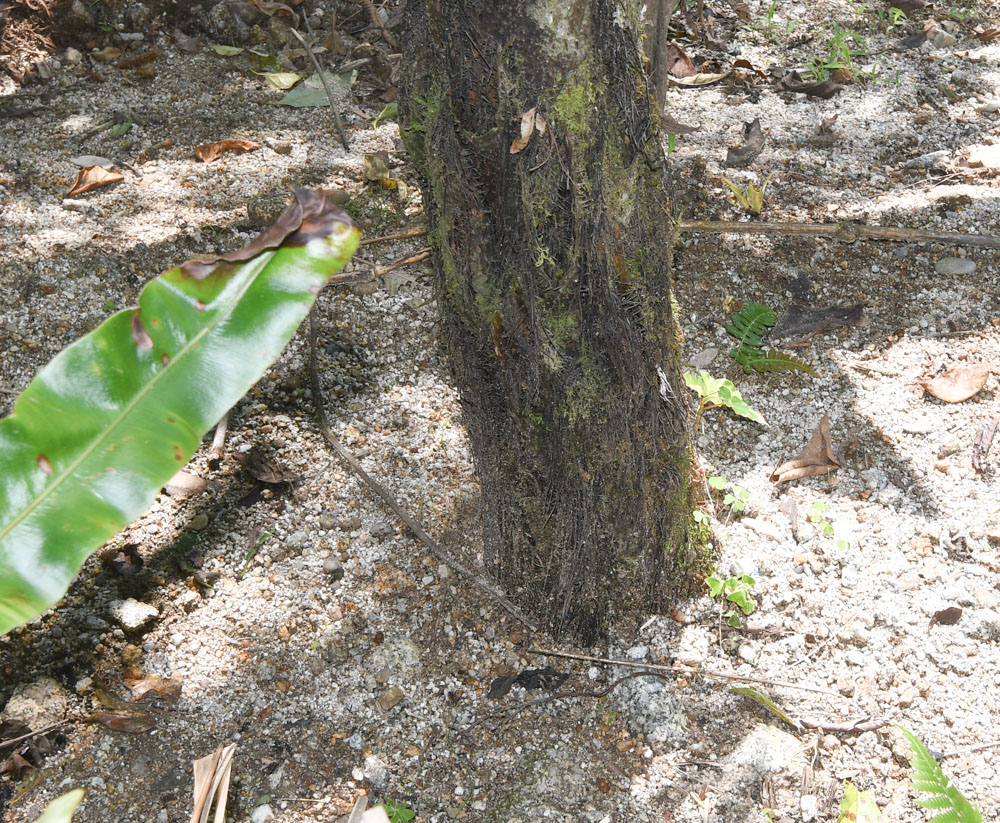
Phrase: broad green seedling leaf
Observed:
(62, 808)
(390, 112)
(112, 417)
(282, 80)
(858, 807)
(310, 92)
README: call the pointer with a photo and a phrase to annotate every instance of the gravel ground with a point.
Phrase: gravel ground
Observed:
(342, 658)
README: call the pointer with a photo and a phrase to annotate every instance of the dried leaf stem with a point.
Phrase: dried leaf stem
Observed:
(326, 87)
(418, 531)
(845, 232)
(682, 670)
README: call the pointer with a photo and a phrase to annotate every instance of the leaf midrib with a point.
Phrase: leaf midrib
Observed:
(64, 475)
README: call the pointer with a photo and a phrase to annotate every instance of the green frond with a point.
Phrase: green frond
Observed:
(928, 777)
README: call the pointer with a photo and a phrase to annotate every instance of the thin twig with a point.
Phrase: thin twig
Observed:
(352, 278)
(377, 22)
(683, 670)
(971, 749)
(846, 232)
(218, 440)
(418, 231)
(390, 501)
(45, 730)
(326, 87)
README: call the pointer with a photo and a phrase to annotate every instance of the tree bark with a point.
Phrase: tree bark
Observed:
(553, 278)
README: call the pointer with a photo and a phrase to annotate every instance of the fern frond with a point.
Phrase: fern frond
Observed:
(927, 777)
(771, 360)
(750, 323)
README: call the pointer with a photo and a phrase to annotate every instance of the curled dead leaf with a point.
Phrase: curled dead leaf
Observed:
(816, 458)
(793, 82)
(957, 384)
(527, 129)
(753, 144)
(678, 63)
(211, 151)
(166, 688)
(93, 177)
(139, 59)
(131, 722)
(947, 617)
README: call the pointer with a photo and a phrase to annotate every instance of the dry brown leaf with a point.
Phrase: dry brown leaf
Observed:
(527, 129)
(211, 782)
(139, 59)
(132, 722)
(816, 458)
(988, 35)
(93, 177)
(793, 82)
(957, 384)
(947, 617)
(678, 63)
(184, 484)
(106, 55)
(211, 151)
(167, 688)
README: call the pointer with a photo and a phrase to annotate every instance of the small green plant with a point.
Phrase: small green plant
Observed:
(62, 808)
(735, 590)
(895, 18)
(671, 144)
(818, 517)
(109, 306)
(714, 392)
(751, 198)
(736, 498)
(767, 23)
(817, 70)
(397, 812)
(748, 326)
(927, 777)
(962, 12)
(858, 807)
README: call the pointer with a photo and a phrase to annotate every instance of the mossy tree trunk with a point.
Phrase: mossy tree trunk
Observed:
(553, 276)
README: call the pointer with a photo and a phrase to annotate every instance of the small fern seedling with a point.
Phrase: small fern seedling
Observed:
(944, 797)
(748, 326)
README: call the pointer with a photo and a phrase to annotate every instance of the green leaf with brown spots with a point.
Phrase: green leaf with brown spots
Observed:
(112, 417)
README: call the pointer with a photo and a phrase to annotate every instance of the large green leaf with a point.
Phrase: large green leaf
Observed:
(105, 424)
(61, 809)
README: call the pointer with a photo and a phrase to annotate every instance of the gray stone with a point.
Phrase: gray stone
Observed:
(399, 654)
(264, 208)
(809, 807)
(637, 652)
(767, 749)
(931, 160)
(944, 40)
(327, 521)
(376, 772)
(37, 704)
(704, 358)
(262, 814)
(132, 614)
(333, 568)
(390, 698)
(955, 266)
(296, 540)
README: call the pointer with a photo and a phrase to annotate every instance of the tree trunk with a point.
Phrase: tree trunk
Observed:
(552, 259)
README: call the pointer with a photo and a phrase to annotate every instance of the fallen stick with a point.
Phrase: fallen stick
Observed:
(845, 232)
(390, 501)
